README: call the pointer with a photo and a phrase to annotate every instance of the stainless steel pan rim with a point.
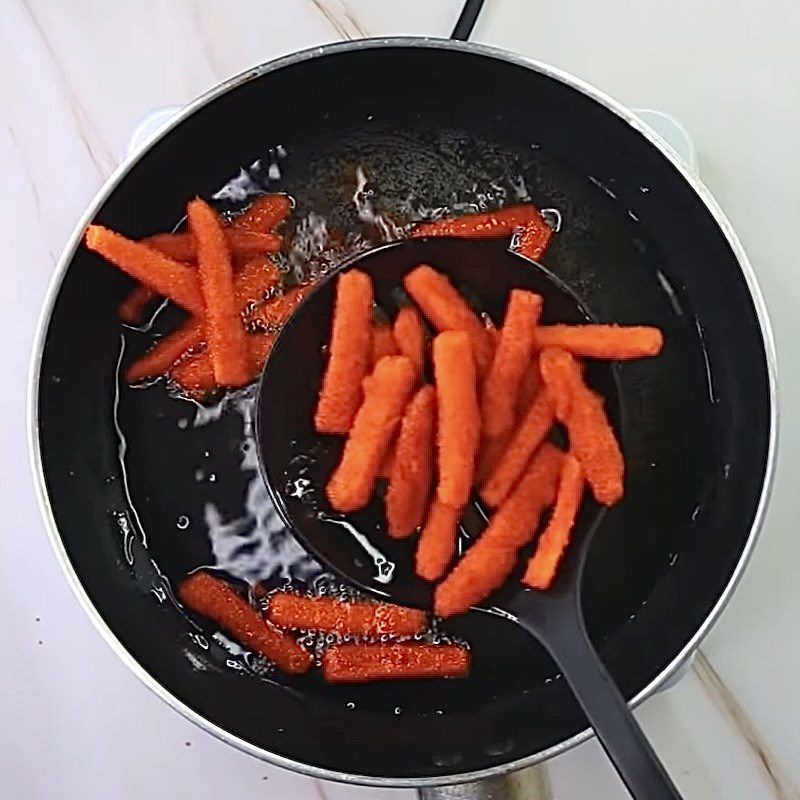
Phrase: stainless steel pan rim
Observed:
(123, 169)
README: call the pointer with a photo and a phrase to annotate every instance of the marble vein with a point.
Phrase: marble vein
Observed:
(342, 19)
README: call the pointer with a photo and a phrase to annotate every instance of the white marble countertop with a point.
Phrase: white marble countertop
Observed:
(76, 78)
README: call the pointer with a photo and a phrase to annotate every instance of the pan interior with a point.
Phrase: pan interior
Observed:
(146, 486)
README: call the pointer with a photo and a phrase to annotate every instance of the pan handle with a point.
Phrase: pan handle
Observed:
(530, 783)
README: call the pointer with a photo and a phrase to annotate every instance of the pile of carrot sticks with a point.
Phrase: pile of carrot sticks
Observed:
(483, 424)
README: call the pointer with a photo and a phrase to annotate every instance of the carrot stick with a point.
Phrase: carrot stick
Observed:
(529, 386)
(167, 351)
(488, 563)
(526, 439)
(591, 436)
(327, 614)
(513, 354)
(388, 461)
(411, 473)
(214, 599)
(350, 351)
(182, 246)
(390, 386)
(133, 306)
(382, 342)
(273, 314)
(553, 542)
(158, 272)
(602, 341)
(447, 310)
(490, 452)
(256, 280)
(265, 213)
(534, 239)
(409, 336)
(459, 418)
(224, 330)
(487, 224)
(360, 663)
(194, 375)
(437, 542)
(259, 346)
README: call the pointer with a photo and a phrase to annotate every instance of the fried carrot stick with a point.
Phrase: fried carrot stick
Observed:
(617, 342)
(437, 542)
(350, 351)
(390, 386)
(382, 342)
(273, 314)
(531, 432)
(488, 563)
(490, 452)
(330, 615)
(447, 310)
(411, 473)
(529, 386)
(360, 663)
(214, 599)
(487, 224)
(459, 417)
(254, 282)
(133, 306)
(265, 213)
(224, 330)
(182, 246)
(534, 239)
(158, 272)
(591, 436)
(542, 566)
(511, 358)
(409, 336)
(167, 351)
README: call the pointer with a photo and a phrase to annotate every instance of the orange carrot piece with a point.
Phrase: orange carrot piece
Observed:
(382, 342)
(447, 310)
(542, 566)
(214, 599)
(265, 213)
(534, 238)
(437, 542)
(531, 432)
(273, 314)
(529, 386)
(167, 351)
(488, 563)
(353, 481)
(158, 272)
(487, 224)
(133, 306)
(259, 346)
(224, 330)
(350, 352)
(330, 615)
(617, 342)
(409, 336)
(591, 436)
(490, 452)
(360, 663)
(388, 461)
(459, 417)
(513, 354)
(182, 246)
(411, 473)
(257, 279)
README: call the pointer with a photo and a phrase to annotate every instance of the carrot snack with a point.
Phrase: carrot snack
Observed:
(183, 246)
(529, 386)
(213, 598)
(553, 542)
(437, 542)
(256, 281)
(489, 453)
(534, 238)
(531, 432)
(459, 420)
(488, 563)
(619, 342)
(390, 387)
(350, 352)
(224, 332)
(133, 306)
(382, 342)
(167, 351)
(411, 474)
(447, 310)
(511, 358)
(559, 372)
(485, 225)
(360, 663)
(409, 336)
(265, 213)
(330, 615)
(158, 272)
(273, 314)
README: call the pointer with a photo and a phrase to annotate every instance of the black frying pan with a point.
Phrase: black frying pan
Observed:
(433, 124)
